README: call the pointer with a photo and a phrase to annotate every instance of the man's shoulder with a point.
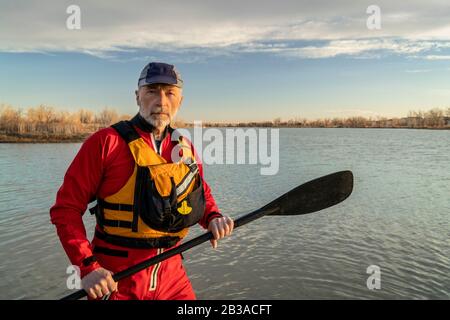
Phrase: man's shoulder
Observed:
(104, 136)
(103, 133)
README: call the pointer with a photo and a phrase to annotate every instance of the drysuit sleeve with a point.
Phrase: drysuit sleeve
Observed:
(78, 189)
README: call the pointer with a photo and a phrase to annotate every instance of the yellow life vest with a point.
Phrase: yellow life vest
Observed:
(158, 203)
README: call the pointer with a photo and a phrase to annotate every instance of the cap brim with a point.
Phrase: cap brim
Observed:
(159, 79)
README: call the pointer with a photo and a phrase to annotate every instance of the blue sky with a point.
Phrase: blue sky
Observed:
(254, 61)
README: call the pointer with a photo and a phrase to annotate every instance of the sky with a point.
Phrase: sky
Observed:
(248, 60)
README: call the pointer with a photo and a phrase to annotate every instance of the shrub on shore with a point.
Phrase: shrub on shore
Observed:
(47, 123)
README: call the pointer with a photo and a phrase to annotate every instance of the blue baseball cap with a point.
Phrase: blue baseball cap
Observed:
(159, 72)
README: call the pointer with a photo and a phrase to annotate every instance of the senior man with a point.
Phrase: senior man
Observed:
(149, 189)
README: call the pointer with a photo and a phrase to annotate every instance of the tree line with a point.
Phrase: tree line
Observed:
(436, 118)
(43, 122)
(46, 123)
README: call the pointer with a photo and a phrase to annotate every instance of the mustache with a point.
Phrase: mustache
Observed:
(160, 111)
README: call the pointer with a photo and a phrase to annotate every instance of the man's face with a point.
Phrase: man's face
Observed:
(158, 103)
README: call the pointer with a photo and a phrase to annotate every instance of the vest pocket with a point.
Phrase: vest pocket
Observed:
(194, 203)
(157, 211)
(164, 211)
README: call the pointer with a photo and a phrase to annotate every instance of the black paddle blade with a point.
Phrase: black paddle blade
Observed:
(314, 195)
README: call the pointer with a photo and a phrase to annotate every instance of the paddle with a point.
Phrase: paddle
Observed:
(312, 196)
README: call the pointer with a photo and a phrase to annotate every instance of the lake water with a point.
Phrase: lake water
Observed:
(397, 219)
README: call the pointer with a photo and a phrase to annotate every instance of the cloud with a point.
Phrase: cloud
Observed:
(361, 47)
(418, 71)
(296, 28)
(437, 57)
(440, 33)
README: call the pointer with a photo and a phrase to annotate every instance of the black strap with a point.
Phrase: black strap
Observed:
(98, 211)
(89, 260)
(93, 210)
(141, 123)
(162, 242)
(126, 131)
(192, 166)
(141, 175)
(111, 252)
(115, 206)
(117, 223)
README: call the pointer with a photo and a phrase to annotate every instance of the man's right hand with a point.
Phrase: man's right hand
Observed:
(99, 283)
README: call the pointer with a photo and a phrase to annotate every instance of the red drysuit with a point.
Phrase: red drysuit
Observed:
(102, 166)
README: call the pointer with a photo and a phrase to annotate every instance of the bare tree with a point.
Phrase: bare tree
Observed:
(85, 116)
(10, 119)
(106, 117)
(434, 118)
(277, 121)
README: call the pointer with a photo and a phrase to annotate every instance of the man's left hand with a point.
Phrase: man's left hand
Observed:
(220, 228)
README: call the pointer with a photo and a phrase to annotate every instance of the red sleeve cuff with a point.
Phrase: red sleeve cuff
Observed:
(85, 270)
(211, 216)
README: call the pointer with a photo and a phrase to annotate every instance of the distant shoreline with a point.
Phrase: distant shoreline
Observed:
(4, 138)
(46, 124)
(41, 139)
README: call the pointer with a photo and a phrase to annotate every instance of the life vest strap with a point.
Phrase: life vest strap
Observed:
(187, 179)
(103, 222)
(142, 153)
(110, 252)
(126, 131)
(117, 223)
(161, 242)
(115, 206)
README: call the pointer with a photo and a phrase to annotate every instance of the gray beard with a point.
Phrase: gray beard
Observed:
(156, 123)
